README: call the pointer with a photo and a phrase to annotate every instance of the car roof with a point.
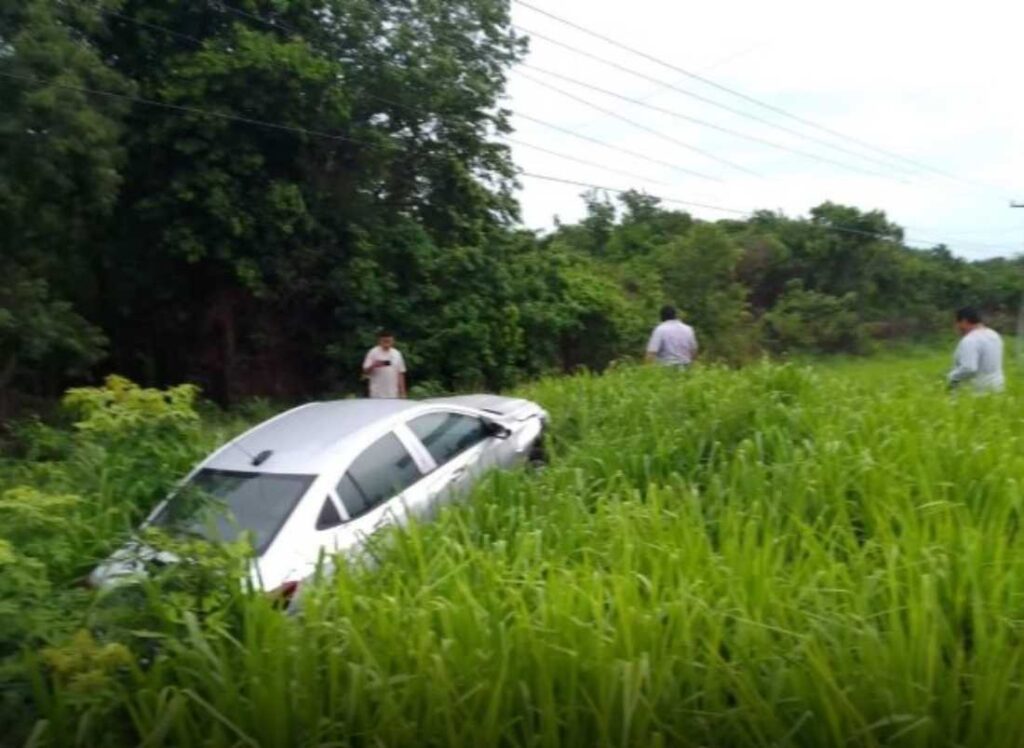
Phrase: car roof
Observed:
(500, 405)
(301, 440)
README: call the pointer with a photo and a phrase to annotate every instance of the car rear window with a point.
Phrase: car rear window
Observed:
(222, 504)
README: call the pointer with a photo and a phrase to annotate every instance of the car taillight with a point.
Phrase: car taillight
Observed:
(284, 594)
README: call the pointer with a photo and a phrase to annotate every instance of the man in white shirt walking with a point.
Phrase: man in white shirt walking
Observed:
(978, 360)
(384, 366)
(672, 343)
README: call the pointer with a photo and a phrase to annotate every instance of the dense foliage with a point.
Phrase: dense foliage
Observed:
(154, 227)
(239, 194)
(777, 555)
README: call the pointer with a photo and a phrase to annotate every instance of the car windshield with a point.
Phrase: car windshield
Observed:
(224, 504)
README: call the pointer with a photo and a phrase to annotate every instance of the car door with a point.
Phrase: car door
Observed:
(460, 446)
(308, 544)
(372, 490)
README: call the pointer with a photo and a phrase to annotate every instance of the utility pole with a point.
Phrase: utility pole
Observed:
(1020, 313)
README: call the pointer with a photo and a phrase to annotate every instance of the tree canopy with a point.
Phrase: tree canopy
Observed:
(240, 194)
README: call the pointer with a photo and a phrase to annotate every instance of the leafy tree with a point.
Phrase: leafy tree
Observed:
(60, 161)
(574, 312)
(699, 274)
(60, 151)
(805, 320)
(277, 235)
(645, 224)
(764, 267)
(40, 333)
(852, 255)
(240, 195)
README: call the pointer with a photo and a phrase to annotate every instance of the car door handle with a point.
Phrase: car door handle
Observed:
(456, 474)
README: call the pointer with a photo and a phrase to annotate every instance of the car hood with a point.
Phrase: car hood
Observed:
(130, 563)
(135, 561)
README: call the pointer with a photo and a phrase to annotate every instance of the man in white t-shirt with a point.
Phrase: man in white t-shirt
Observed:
(978, 360)
(672, 343)
(384, 366)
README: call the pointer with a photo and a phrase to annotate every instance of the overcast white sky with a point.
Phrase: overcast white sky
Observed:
(937, 82)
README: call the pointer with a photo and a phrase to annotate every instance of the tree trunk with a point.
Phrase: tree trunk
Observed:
(6, 377)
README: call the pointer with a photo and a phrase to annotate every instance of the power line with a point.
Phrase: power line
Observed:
(703, 123)
(745, 97)
(187, 109)
(620, 191)
(704, 99)
(610, 146)
(151, 26)
(277, 25)
(567, 131)
(844, 229)
(639, 125)
(969, 243)
(224, 7)
(391, 102)
(691, 172)
(534, 119)
(960, 232)
(567, 157)
(703, 69)
(315, 133)
(274, 125)
(732, 211)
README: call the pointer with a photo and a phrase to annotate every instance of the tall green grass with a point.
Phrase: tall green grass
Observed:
(773, 556)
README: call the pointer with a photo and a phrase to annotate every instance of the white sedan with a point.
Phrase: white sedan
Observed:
(325, 476)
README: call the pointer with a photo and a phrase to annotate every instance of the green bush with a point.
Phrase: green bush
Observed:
(810, 321)
(774, 556)
(71, 497)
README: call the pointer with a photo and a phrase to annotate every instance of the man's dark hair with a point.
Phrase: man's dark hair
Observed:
(668, 312)
(384, 334)
(968, 314)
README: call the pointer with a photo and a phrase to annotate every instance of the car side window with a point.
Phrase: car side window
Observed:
(445, 435)
(383, 470)
(329, 516)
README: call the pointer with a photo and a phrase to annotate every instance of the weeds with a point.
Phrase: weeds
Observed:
(781, 555)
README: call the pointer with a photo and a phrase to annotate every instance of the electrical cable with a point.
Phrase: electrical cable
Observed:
(224, 7)
(639, 125)
(704, 123)
(745, 97)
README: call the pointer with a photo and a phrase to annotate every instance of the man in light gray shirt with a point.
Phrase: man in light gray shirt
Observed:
(672, 342)
(978, 360)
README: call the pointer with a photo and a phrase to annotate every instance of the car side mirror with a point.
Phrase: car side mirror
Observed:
(495, 429)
